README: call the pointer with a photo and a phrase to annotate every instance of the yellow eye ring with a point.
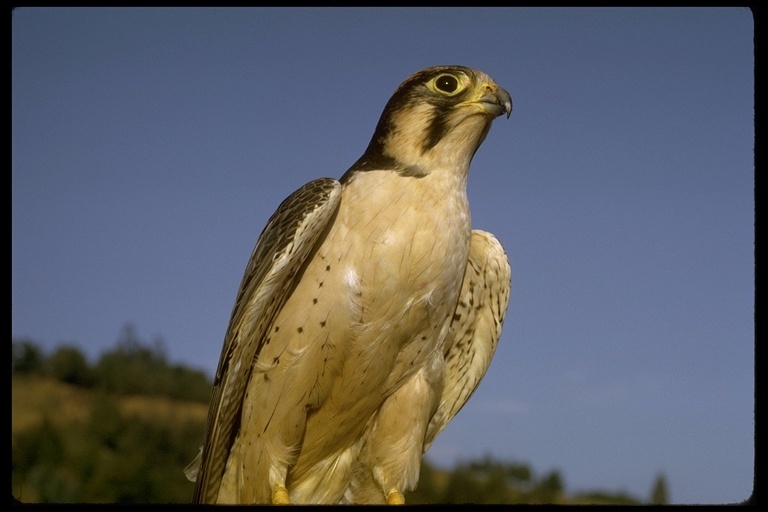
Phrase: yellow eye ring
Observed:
(447, 84)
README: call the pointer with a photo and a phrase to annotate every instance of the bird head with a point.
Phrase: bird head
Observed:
(437, 118)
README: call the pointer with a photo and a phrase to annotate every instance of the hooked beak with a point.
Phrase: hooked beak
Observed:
(496, 100)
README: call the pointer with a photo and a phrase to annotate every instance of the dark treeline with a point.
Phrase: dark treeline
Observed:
(132, 368)
(111, 457)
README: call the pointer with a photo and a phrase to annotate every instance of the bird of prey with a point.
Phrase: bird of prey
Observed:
(368, 313)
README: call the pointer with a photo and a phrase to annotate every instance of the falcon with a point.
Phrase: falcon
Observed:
(368, 314)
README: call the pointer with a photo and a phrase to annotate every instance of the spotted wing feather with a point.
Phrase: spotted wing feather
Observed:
(475, 328)
(283, 246)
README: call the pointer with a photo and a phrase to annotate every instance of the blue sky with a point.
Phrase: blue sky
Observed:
(149, 147)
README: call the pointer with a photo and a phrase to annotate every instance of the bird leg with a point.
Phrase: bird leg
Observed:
(390, 458)
(395, 497)
(280, 496)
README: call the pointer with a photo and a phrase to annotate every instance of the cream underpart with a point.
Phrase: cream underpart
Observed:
(373, 275)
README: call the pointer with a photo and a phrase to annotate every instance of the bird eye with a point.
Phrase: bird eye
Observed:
(447, 83)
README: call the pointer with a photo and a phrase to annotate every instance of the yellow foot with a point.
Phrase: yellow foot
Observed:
(395, 497)
(280, 496)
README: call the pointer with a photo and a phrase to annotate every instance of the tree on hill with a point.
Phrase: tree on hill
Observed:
(26, 357)
(68, 364)
(659, 493)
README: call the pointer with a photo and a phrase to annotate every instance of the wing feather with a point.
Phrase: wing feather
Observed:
(475, 328)
(283, 246)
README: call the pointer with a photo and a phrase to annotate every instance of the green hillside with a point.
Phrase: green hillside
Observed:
(122, 431)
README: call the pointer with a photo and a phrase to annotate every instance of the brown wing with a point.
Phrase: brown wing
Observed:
(288, 238)
(475, 329)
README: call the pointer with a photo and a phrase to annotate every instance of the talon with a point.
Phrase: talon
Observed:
(280, 496)
(395, 497)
